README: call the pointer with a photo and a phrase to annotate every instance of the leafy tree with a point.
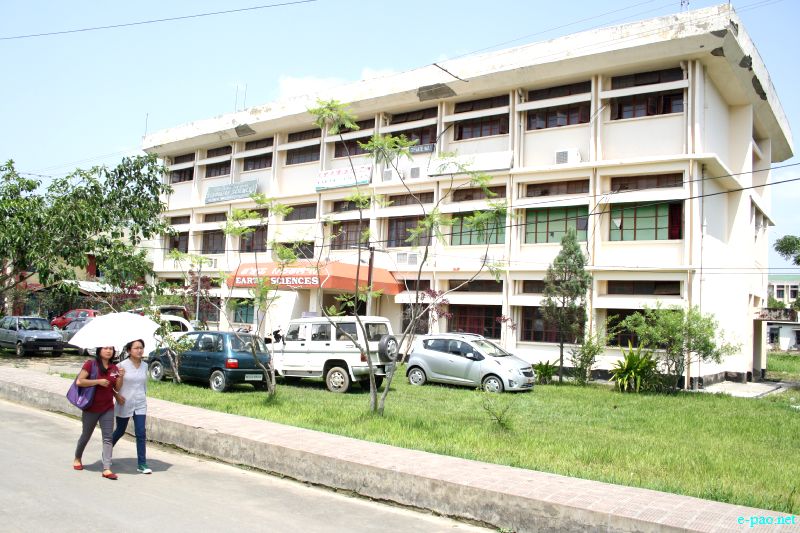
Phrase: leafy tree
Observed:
(772, 303)
(680, 337)
(389, 151)
(788, 247)
(565, 286)
(51, 231)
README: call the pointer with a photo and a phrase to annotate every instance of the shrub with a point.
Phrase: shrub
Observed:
(584, 357)
(545, 371)
(636, 370)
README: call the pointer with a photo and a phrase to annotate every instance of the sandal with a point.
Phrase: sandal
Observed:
(110, 475)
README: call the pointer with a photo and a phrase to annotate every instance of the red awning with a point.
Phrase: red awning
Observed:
(328, 276)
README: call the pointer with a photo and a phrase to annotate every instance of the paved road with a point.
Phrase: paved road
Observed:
(40, 491)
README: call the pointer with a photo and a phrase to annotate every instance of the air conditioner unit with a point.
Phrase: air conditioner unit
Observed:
(414, 173)
(388, 174)
(406, 258)
(571, 156)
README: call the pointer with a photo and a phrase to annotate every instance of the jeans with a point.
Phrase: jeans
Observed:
(90, 420)
(139, 429)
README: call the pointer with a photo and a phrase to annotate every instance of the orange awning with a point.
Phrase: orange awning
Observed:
(328, 276)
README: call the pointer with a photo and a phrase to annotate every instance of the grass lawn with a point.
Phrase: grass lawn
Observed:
(735, 450)
(783, 366)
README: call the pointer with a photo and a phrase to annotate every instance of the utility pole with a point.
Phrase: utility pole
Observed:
(199, 278)
(369, 279)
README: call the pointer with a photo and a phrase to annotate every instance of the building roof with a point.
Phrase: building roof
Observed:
(784, 277)
(713, 35)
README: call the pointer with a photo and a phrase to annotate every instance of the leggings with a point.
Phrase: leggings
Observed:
(90, 420)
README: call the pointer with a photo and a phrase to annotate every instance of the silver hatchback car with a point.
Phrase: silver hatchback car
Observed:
(467, 359)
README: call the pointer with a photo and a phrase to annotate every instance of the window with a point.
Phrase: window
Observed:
(554, 188)
(294, 333)
(222, 150)
(184, 219)
(218, 169)
(302, 155)
(774, 335)
(261, 143)
(179, 176)
(321, 331)
(412, 116)
(534, 327)
(306, 135)
(400, 230)
(342, 206)
(551, 224)
(255, 241)
(464, 233)
(351, 147)
(365, 124)
(213, 242)
(302, 212)
(646, 78)
(481, 127)
(465, 195)
(417, 285)
(483, 103)
(779, 292)
(185, 158)
(640, 287)
(635, 222)
(563, 115)
(792, 292)
(349, 234)
(215, 217)
(257, 162)
(425, 135)
(209, 309)
(343, 329)
(303, 250)
(178, 242)
(411, 199)
(533, 286)
(476, 285)
(422, 325)
(620, 338)
(480, 319)
(561, 90)
(646, 105)
(656, 181)
(244, 312)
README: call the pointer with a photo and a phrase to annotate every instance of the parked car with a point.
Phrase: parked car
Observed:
(466, 359)
(72, 328)
(320, 347)
(174, 310)
(178, 326)
(29, 334)
(63, 321)
(221, 358)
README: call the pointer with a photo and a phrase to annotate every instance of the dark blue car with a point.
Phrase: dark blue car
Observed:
(217, 357)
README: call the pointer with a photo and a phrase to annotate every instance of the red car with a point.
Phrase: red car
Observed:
(62, 321)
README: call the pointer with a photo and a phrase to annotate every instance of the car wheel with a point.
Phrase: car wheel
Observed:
(416, 376)
(218, 382)
(337, 379)
(20, 351)
(365, 383)
(493, 384)
(388, 347)
(156, 371)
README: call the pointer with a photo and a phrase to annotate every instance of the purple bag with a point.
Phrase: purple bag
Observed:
(82, 397)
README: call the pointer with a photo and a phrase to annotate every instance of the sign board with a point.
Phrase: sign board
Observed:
(344, 177)
(295, 277)
(234, 191)
(422, 148)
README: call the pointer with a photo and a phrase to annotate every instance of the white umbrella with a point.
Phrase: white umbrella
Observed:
(116, 329)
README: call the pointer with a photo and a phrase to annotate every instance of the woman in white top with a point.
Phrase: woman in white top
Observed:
(132, 401)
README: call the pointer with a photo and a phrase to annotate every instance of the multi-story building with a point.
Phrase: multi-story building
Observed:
(783, 330)
(653, 140)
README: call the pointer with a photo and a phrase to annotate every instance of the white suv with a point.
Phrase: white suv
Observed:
(467, 359)
(321, 347)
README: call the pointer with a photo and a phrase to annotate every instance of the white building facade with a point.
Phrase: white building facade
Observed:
(650, 139)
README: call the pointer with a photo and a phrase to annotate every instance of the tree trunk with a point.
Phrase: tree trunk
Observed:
(561, 361)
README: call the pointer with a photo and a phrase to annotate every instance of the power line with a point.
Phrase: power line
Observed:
(154, 21)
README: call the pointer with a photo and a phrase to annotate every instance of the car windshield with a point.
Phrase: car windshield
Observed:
(34, 324)
(243, 343)
(490, 348)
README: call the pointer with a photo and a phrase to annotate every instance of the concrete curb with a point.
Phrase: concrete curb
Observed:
(503, 497)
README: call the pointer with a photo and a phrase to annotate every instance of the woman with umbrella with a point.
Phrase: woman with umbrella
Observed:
(109, 378)
(132, 402)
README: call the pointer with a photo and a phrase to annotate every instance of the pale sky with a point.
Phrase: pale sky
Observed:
(80, 99)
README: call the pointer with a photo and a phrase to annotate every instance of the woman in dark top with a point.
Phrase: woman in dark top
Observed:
(109, 379)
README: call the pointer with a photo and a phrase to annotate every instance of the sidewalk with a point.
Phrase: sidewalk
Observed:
(500, 496)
